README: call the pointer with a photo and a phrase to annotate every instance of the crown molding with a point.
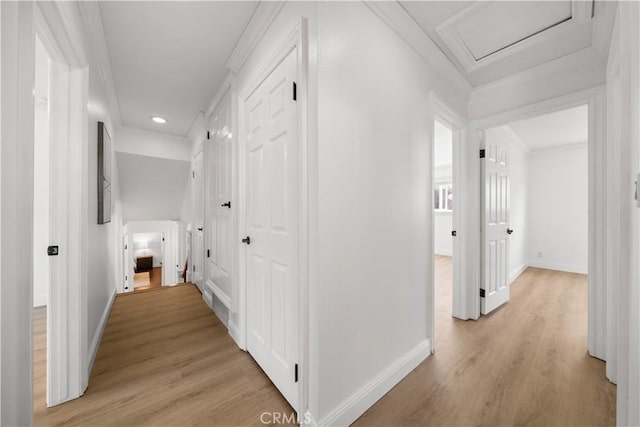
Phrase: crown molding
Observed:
(583, 56)
(513, 137)
(399, 20)
(99, 55)
(262, 18)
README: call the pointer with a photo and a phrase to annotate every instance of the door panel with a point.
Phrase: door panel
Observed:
(272, 224)
(495, 222)
(219, 204)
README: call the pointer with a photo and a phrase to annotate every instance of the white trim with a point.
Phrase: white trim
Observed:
(547, 69)
(97, 337)
(508, 132)
(236, 333)
(580, 15)
(400, 21)
(551, 265)
(261, 20)
(356, 405)
(222, 91)
(515, 273)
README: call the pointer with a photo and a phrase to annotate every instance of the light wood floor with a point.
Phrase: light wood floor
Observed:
(166, 360)
(148, 279)
(525, 364)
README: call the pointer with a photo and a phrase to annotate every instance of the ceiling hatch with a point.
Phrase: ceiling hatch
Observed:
(488, 31)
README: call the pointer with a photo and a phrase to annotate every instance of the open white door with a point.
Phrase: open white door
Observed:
(128, 278)
(494, 285)
(197, 261)
(219, 207)
(271, 160)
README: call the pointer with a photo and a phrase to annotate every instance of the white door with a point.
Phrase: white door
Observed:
(494, 286)
(272, 225)
(197, 265)
(219, 205)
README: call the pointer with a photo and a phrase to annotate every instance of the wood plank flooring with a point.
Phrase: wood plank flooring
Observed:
(525, 364)
(166, 360)
(148, 279)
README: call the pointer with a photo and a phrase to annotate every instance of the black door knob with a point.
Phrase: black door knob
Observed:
(228, 204)
(509, 231)
(247, 240)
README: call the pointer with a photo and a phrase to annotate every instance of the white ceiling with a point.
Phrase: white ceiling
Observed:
(443, 145)
(490, 40)
(556, 129)
(168, 58)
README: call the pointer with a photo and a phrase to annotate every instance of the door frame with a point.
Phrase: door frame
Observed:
(447, 116)
(597, 289)
(296, 40)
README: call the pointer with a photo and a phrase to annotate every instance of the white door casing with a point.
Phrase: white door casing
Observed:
(272, 225)
(495, 225)
(219, 206)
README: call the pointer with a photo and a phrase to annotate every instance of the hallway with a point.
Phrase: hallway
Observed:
(165, 360)
(526, 363)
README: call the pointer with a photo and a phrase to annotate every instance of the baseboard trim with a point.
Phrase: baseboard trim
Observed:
(549, 265)
(517, 272)
(365, 397)
(234, 332)
(97, 337)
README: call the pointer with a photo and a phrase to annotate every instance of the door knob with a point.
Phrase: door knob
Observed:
(247, 240)
(509, 231)
(454, 233)
(228, 204)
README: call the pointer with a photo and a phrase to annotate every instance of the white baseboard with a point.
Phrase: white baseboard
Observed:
(356, 405)
(517, 272)
(442, 253)
(97, 337)
(550, 265)
(234, 332)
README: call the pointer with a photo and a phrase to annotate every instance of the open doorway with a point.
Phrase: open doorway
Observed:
(443, 204)
(41, 222)
(148, 256)
(534, 205)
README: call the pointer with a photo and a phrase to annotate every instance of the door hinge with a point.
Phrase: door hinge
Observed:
(52, 250)
(296, 373)
(481, 293)
(163, 239)
(208, 253)
(193, 267)
(482, 153)
(193, 174)
(208, 135)
(295, 91)
(125, 246)
(454, 233)
(126, 277)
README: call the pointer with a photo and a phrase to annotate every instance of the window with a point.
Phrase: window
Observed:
(443, 197)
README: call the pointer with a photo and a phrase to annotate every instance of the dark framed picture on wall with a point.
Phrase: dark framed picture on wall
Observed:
(104, 175)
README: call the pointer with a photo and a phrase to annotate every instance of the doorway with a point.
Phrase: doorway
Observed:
(443, 228)
(148, 260)
(534, 200)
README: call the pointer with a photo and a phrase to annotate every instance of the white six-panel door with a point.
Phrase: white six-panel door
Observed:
(271, 164)
(219, 205)
(495, 226)
(197, 261)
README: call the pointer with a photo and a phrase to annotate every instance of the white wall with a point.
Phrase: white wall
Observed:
(151, 188)
(370, 296)
(152, 144)
(558, 199)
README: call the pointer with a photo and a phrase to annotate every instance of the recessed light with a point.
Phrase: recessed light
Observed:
(159, 119)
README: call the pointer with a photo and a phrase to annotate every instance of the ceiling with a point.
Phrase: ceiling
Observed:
(492, 39)
(555, 129)
(168, 57)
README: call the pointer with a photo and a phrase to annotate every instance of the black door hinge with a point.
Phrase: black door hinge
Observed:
(295, 91)
(482, 153)
(52, 250)
(126, 277)
(454, 233)
(125, 246)
(481, 293)
(193, 174)
(208, 253)
(163, 239)
(208, 135)
(296, 373)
